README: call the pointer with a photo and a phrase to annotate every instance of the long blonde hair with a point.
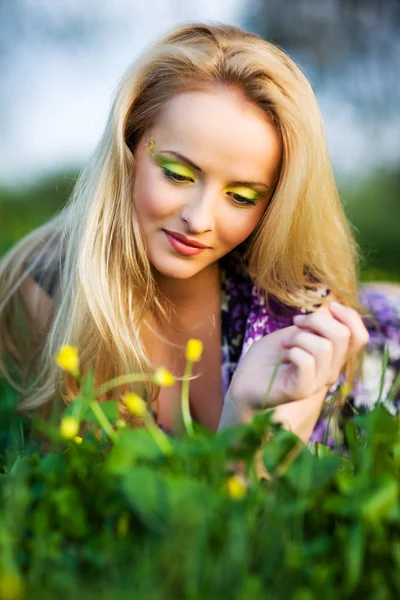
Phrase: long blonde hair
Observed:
(106, 289)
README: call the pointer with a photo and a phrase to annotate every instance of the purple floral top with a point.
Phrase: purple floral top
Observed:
(245, 320)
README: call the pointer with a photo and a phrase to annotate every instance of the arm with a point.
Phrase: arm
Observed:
(301, 416)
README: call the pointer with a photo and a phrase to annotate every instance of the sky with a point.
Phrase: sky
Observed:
(55, 97)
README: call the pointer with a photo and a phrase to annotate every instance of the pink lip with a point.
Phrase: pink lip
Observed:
(185, 240)
(181, 246)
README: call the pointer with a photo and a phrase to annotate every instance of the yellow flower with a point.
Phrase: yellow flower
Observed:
(68, 359)
(69, 427)
(78, 440)
(163, 377)
(11, 586)
(236, 487)
(135, 404)
(194, 349)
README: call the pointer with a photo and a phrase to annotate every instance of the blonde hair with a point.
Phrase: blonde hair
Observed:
(106, 289)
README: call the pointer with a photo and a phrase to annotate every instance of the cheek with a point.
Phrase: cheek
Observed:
(152, 198)
(236, 227)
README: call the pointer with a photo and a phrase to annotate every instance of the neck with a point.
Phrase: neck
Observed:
(191, 297)
(192, 291)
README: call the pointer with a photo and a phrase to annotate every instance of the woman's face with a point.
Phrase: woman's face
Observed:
(208, 175)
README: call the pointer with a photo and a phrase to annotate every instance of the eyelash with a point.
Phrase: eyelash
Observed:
(173, 177)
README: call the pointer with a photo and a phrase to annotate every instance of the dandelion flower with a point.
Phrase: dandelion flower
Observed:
(163, 377)
(69, 427)
(194, 349)
(68, 359)
(135, 404)
(236, 487)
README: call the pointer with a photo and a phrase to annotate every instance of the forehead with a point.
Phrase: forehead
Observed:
(219, 128)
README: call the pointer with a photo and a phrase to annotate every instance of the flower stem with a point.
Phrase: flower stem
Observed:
(187, 419)
(130, 378)
(121, 379)
(274, 372)
(158, 436)
(102, 419)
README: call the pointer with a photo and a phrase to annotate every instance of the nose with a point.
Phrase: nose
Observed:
(199, 211)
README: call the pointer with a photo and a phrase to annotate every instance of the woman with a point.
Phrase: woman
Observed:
(208, 210)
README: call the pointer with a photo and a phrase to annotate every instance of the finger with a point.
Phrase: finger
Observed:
(330, 328)
(300, 374)
(321, 348)
(350, 317)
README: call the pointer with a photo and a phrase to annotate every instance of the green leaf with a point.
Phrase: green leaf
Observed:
(277, 448)
(88, 383)
(309, 474)
(147, 496)
(52, 465)
(20, 466)
(346, 482)
(354, 554)
(78, 408)
(381, 502)
(109, 408)
(133, 445)
(321, 450)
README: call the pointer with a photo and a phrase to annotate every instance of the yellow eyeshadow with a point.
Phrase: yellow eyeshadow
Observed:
(245, 192)
(184, 171)
(176, 168)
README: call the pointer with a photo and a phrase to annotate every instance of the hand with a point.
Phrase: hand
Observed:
(314, 351)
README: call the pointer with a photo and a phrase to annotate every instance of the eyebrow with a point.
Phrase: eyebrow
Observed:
(190, 163)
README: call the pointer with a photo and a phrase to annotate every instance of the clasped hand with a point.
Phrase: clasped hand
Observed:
(314, 351)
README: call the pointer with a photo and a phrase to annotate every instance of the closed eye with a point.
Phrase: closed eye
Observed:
(176, 177)
(241, 199)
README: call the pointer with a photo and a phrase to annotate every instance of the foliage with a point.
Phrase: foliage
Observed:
(25, 209)
(192, 516)
(373, 208)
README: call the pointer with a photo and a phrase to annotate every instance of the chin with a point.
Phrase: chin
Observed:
(176, 269)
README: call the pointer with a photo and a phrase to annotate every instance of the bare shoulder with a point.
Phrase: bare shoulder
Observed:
(37, 302)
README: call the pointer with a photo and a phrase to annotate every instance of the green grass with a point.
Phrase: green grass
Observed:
(126, 515)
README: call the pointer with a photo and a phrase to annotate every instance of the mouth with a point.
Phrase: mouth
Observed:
(181, 246)
(182, 238)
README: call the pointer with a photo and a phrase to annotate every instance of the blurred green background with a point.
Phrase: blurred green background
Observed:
(69, 58)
